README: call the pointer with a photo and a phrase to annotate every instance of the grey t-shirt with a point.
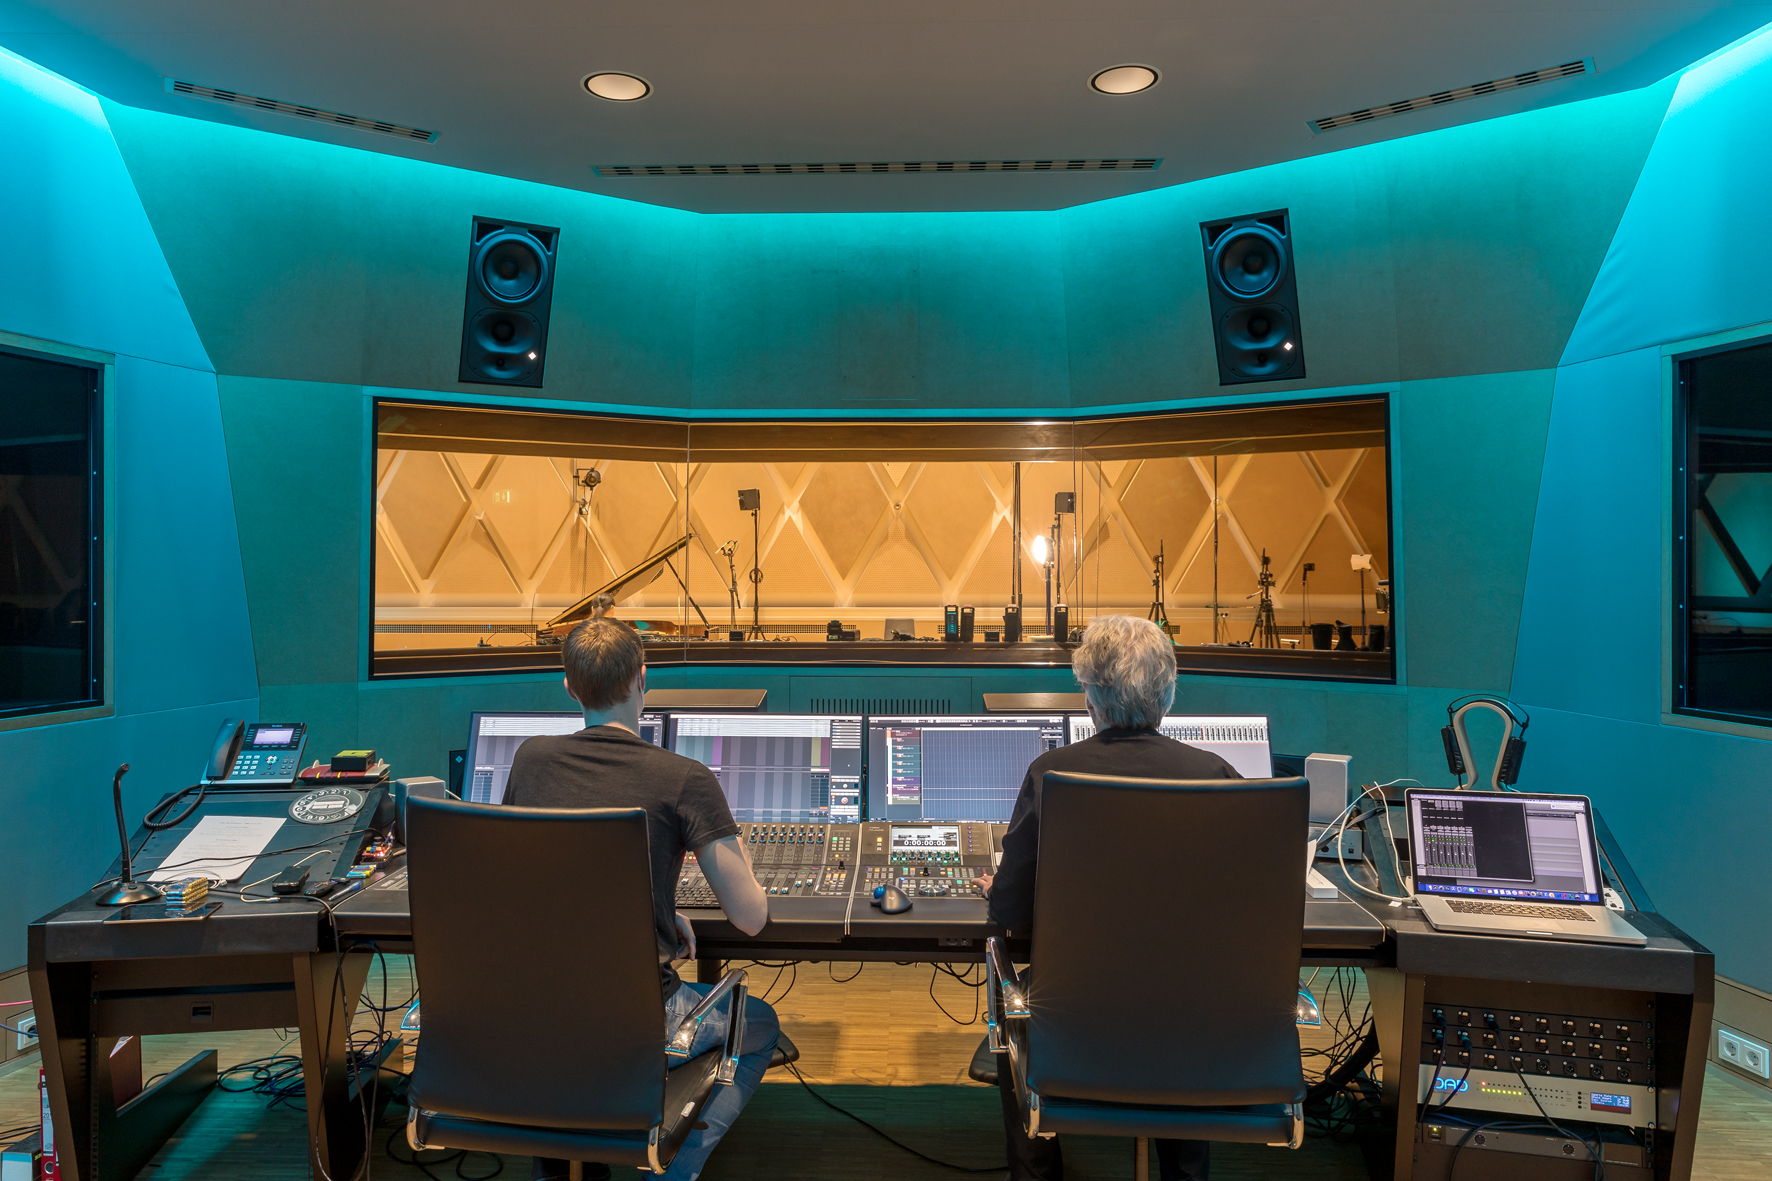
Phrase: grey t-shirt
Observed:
(607, 767)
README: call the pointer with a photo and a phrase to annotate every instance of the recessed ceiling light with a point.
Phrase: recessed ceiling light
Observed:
(618, 88)
(1124, 79)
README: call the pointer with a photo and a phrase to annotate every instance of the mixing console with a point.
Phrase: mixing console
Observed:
(818, 860)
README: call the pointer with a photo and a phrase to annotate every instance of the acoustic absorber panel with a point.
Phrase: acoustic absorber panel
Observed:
(504, 332)
(1252, 287)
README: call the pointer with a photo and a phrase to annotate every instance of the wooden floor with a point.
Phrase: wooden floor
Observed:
(876, 1045)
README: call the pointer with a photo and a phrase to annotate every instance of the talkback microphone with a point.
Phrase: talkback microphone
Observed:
(128, 889)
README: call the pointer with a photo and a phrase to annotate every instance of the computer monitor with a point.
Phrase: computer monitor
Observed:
(493, 739)
(1239, 741)
(954, 768)
(778, 768)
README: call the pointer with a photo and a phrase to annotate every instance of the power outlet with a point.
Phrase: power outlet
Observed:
(26, 1037)
(1744, 1054)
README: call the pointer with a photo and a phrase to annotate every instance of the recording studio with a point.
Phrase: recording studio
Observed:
(835, 591)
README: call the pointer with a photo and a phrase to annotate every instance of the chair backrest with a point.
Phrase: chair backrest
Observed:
(1168, 925)
(535, 952)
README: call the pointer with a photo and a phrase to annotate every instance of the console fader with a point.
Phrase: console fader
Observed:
(928, 859)
(803, 860)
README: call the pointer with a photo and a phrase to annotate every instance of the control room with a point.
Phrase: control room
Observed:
(822, 590)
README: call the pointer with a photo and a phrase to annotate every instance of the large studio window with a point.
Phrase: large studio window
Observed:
(1258, 536)
(1723, 523)
(49, 517)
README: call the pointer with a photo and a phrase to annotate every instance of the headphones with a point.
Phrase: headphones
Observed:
(1456, 739)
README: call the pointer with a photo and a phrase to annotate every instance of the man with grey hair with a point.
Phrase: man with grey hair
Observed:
(1126, 667)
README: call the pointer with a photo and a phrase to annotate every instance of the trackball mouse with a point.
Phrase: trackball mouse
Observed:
(891, 900)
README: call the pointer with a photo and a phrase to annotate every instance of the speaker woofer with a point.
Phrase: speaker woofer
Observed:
(510, 266)
(1262, 326)
(505, 344)
(1249, 261)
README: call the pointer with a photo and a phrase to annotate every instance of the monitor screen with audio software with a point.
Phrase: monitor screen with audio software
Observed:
(493, 740)
(954, 768)
(1239, 741)
(788, 768)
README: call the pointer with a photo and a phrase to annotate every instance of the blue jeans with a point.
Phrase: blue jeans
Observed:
(760, 1031)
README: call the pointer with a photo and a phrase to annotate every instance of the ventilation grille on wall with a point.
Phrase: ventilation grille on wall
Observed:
(875, 168)
(885, 707)
(1460, 94)
(234, 98)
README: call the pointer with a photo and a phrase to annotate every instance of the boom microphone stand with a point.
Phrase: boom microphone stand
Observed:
(1159, 614)
(751, 498)
(731, 582)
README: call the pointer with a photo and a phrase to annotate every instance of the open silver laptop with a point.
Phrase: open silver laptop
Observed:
(1511, 863)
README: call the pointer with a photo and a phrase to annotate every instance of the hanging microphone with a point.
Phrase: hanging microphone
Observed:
(128, 889)
(729, 548)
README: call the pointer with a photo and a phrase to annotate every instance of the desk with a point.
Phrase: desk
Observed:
(281, 964)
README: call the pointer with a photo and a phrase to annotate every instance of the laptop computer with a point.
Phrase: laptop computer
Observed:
(1515, 864)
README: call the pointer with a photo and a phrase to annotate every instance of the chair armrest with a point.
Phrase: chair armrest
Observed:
(1005, 998)
(683, 1039)
(735, 1019)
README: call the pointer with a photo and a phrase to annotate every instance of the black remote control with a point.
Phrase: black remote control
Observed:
(290, 881)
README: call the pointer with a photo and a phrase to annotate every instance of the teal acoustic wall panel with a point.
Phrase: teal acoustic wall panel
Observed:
(1688, 259)
(314, 262)
(180, 648)
(1468, 455)
(1692, 247)
(883, 310)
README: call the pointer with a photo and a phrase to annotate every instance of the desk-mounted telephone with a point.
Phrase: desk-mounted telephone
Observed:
(256, 753)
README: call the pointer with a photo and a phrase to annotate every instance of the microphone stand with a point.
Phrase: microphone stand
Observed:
(732, 581)
(756, 632)
(128, 889)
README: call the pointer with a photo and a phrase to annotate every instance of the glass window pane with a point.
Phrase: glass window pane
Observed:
(48, 570)
(1723, 609)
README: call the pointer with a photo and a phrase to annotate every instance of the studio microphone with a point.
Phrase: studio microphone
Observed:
(729, 548)
(128, 889)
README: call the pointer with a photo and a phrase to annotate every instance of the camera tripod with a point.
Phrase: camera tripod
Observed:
(1265, 633)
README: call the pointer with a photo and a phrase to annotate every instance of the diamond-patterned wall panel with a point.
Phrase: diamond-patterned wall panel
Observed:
(1274, 503)
(841, 506)
(472, 571)
(520, 496)
(424, 504)
(1364, 502)
(951, 504)
(896, 573)
(392, 585)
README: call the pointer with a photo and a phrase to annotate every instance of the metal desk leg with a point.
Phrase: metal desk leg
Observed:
(708, 968)
(327, 986)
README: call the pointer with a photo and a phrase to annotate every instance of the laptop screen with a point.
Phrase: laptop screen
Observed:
(1239, 741)
(1473, 844)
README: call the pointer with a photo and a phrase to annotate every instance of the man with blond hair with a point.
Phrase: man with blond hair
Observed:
(608, 765)
(1126, 668)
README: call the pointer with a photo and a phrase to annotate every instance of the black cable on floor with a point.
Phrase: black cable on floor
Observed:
(887, 1136)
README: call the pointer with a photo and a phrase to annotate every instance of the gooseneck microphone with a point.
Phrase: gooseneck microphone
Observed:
(128, 889)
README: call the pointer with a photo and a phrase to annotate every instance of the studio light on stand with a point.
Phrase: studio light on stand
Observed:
(751, 500)
(1041, 550)
(1362, 563)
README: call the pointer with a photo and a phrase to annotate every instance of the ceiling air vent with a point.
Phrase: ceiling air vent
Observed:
(1460, 94)
(234, 98)
(879, 168)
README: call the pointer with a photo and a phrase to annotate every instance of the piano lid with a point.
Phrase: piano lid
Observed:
(629, 582)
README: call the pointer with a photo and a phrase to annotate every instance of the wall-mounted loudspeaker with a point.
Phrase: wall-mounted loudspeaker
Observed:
(504, 324)
(1252, 286)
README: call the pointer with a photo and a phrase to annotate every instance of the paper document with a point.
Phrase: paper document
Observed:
(219, 847)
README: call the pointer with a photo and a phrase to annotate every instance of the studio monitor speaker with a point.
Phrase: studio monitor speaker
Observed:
(504, 324)
(1251, 284)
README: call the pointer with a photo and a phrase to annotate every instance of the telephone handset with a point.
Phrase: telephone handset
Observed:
(256, 753)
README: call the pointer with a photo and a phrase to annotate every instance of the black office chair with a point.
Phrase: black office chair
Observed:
(543, 1019)
(1199, 888)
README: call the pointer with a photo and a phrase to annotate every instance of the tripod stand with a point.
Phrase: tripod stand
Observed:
(1159, 614)
(1265, 633)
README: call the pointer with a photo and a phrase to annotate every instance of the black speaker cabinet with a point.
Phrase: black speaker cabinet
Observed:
(1012, 624)
(1252, 286)
(504, 323)
(968, 621)
(950, 622)
(1061, 623)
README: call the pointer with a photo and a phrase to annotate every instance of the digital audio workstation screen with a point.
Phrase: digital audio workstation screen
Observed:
(778, 767)
(1479, 844)
(493, 740)
(1241, 742)
(958, 768)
